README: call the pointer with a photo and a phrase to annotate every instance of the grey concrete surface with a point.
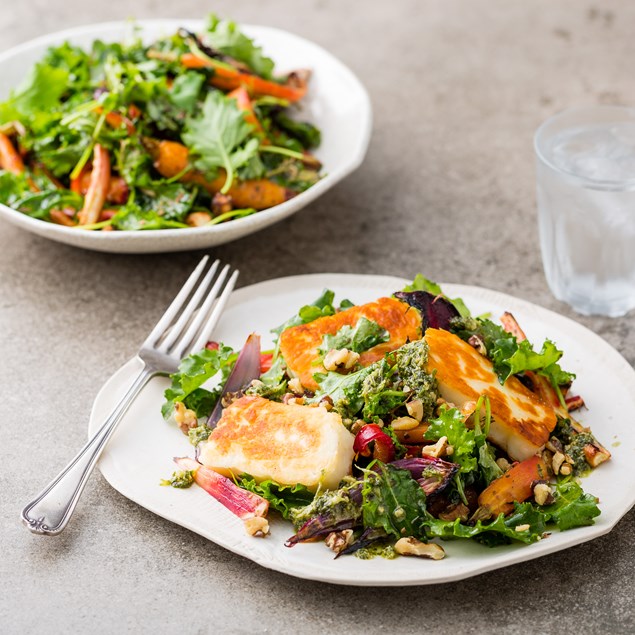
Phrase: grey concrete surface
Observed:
(447, 188)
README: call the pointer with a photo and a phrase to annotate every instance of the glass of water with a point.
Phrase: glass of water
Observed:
(586, 207)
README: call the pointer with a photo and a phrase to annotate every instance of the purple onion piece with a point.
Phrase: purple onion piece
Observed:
(319, 526)
(436, 311)
(368, 537)
(246, 369)
(434, 475)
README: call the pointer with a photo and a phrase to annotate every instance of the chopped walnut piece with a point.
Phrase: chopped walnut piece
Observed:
(436, 450)
(410, 546)
(184, 417)
(337, 541)
(257, 526)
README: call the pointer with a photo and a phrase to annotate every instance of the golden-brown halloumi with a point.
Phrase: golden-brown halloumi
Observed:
(288, 443)
(299, 344)
(521, 422)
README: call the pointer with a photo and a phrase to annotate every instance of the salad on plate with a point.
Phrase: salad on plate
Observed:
(191, 130)
(388, 427)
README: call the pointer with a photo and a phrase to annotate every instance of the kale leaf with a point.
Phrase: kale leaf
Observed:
(193, 372)
(511, 357)
(283, 498)
(572, 507)
(451, 424)
(364, 335)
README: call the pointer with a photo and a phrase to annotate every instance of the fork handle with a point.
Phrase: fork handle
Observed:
(49, 513)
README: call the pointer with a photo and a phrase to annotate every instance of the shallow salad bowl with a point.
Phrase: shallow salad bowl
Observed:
(336, 102)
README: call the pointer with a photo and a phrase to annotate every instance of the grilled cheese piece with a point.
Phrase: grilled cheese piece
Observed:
(288, 443)
(299, 344)
(521, 422)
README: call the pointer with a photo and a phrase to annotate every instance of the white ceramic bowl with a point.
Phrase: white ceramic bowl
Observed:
(336, 102)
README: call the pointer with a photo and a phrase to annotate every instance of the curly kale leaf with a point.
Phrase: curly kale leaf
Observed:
(502, 530)
(282, 498)
(451, 424)
(511, 357)
(193, 372)
(572, 507)
(364, 335)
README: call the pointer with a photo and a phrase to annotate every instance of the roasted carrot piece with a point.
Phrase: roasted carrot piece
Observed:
(10, 159)
(171, 158)
(514, 485)
(231, 78)
(244, 104)
(61, 218)
(118, 190)
(98, 188)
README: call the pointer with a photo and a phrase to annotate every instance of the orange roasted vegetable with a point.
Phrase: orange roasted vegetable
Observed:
(98, 187)
(10, 159)
(228, 78)
(171, 158)
(514, 485)
(117, 193)
(244, 104)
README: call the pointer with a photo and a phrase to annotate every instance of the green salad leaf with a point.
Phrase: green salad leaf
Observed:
(451, 424)
(216, 137)
(282, 498)
(226, 37)
(364, 335)
(511, 357)
(393, 502)
(193, 372)
(572, 507)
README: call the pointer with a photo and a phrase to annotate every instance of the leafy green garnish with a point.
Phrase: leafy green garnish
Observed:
(499, 531)
(572, 507)
(486, 454)
(393, 501)
(186, 89)
(364, 335)
(308, 135)
(216, 137)
(193, 372)
(226, 37)
(282, 498)
(273, 383)
(182, 479)
(511, 357)
(380, 389)
(451, 424)
(38, 93)
(421, 283)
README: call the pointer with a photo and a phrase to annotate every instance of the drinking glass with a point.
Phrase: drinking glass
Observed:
(585, 161)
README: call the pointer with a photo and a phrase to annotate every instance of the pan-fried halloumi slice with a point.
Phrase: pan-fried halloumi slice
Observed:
(288, 443)
(521, 422)
(299, 344)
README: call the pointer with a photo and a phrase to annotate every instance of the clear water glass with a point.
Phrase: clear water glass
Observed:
(586, 207)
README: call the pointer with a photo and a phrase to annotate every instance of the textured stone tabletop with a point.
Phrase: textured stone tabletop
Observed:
(447, 188)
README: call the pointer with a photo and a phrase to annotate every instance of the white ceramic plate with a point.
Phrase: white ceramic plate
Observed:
(140, 453)
(336, 102)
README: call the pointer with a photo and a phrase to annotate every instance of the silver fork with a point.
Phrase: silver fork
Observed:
(184, 327)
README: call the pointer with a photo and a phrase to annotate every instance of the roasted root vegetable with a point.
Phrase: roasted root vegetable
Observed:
(240, 502)
(515, 485)
(97, 188)
(10, 159)
(171, 159)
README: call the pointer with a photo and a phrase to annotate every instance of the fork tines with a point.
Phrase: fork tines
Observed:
(190, 319)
